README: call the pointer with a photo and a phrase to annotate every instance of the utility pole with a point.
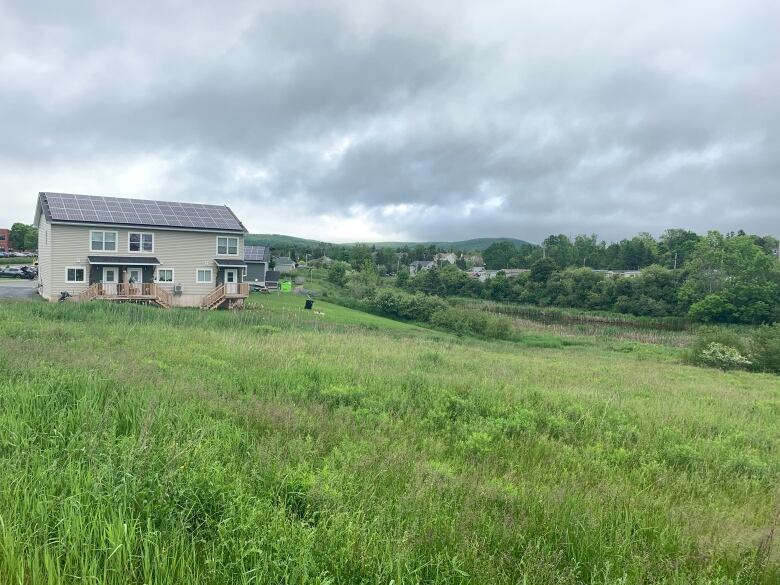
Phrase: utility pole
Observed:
(675, 259)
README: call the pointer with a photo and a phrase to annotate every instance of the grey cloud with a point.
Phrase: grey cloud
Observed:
(490, 119)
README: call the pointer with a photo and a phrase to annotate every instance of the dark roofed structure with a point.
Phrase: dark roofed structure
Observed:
(124, 260)
(93, 209)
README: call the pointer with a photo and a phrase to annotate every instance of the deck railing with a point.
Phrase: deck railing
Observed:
(127, 291)
(237, 289)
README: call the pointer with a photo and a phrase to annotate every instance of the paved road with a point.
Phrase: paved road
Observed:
(17, 289)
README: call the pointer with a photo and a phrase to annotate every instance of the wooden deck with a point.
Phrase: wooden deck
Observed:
(132, 292)
(230, 295)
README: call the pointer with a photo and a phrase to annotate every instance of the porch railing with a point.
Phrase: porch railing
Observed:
(236, 289)
(126, 291)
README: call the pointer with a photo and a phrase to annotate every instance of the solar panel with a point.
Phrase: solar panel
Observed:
(255, 253)
(121, 210)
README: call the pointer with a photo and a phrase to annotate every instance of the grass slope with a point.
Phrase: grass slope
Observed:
(276, 445)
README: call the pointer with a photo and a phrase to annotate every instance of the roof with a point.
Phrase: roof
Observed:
(284, 260)
(255, 254)
(272, 275)
(124, 260)
(229, 263)
(92, 209)
(422, 263)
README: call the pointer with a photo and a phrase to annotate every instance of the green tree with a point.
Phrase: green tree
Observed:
(337, 273)
(675, 246)
(402, 278)
(23, 237)
(731, 279)
(560, 249)
(500, 255)
(542, 269)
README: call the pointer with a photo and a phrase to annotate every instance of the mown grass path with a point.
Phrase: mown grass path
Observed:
(274, 445)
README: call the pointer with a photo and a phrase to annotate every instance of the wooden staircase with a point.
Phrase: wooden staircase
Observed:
(214, 299)
(229, 295)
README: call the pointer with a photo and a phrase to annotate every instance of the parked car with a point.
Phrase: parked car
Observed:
(30, 272)
(12, 272)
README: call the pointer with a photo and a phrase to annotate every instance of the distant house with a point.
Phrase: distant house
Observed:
(284, 264)
(419, 265)
(256, 260)
(473, 260)
(5, 236)
(626, 273)
(446, 257)
(137, 250)
(514, 272)
(482, 275)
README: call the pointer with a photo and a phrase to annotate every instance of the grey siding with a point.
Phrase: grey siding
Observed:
(255, 272)
(44, 258)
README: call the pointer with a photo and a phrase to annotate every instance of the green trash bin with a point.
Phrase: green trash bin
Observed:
(286, 286)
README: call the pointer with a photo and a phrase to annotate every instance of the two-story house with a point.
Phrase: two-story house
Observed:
(155, 252)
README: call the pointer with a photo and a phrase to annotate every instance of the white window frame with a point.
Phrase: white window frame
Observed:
(227, 246)
(141, 251)
(157, 275)
(82, 268)
(104, 232)
(211, 276)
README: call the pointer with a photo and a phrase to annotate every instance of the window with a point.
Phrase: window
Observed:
(139, 242)
(75, 274)
(204, 276)
(165, 275)
(103, 241)
(227, 246)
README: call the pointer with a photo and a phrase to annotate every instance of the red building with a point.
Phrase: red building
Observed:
(4, 236)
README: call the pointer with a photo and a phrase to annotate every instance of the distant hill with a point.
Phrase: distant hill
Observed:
(473, 245)
(280, 242)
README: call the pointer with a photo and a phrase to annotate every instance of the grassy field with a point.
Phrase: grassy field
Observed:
(277, 445)
(17, 261)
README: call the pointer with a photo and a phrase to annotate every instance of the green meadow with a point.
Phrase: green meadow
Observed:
(277, 445)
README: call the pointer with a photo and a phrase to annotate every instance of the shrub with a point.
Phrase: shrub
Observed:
(723, 356)
(721, 348)
(765, 348)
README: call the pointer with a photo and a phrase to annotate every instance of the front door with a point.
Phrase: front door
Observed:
(231, 281)
(110, 278)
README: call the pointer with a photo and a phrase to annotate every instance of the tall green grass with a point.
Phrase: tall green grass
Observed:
(274, 445)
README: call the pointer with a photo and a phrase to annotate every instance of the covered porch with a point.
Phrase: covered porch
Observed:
(230, 289)
(125, 278)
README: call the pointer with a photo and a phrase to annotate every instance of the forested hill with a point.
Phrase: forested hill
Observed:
(281, 242)
(474, 245)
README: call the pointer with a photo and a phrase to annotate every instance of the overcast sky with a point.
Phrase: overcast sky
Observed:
(419, 120)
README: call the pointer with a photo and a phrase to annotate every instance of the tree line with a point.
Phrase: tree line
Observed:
(714, 278)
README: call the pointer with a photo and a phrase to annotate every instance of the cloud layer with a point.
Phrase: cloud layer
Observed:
(403, 120)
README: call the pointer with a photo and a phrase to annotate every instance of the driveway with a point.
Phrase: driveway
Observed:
(12, 288)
